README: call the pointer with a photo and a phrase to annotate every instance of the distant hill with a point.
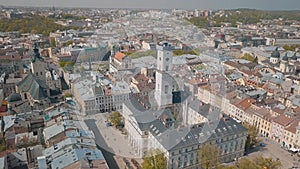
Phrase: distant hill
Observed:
(33, 24)
(245, 16)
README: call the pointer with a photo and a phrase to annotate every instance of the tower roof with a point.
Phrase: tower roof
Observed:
(294, 57)
(36, 53)
(119, 56)
(285, 57)
(275, 54)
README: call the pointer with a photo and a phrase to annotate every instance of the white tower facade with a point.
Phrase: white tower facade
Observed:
(38, 66)
(164, 81)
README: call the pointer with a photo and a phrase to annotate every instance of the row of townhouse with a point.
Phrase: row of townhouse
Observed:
(280, 124)
(99, 96)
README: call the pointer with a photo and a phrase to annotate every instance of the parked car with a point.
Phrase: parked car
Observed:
(262, 144)
(108, 124)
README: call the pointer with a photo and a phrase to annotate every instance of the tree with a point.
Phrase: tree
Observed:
(251, 137)
(33, 24)
(227, 167)
(291, 47)
(178, 52)
(267, 163)
(115, 118)
(67, 95)
(63, 63)
(208, 156)
(155, 159)
(2, 145)
(52, 42)
(287, 47)
(257, 163)
(255, 59)
(249, 57)
(70, 42)
(246, 164)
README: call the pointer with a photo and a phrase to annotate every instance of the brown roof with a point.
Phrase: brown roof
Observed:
(271, 101)
(284, 120)
(262, 112)
(144, 85)
(10, 57)
(232, 64)
(246, 103)
(250, 65)
(250, 110)
(197, 81)
(235, 101)
(119, 56)
(296, 109)
(269, 117)
(277, 110)
(251, 72)
(293, 127)
(230, 95)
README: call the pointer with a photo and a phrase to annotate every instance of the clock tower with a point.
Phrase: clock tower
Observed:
(164, 81)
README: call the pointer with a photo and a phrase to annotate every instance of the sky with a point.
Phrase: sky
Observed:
(162, 4)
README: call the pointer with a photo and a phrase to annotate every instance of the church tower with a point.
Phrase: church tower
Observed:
(164, 81)
(275, 56)
(38, 65)
(284, 64)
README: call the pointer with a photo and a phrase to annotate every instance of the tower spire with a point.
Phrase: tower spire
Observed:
(36, 52)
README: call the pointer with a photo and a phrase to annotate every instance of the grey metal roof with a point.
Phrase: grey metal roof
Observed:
(74, 155)
(200, 107)
(14, 97)
(146, 119)
(34, 86)
(179, 138)
(294, 57)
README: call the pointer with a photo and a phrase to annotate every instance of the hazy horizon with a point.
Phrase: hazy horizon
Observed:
(161, 4)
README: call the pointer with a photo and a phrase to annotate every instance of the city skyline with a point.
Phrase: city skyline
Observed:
(161, 4)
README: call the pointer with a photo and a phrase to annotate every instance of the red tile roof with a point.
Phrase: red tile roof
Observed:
(246, 103)
(3, 108)
(119, 56)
